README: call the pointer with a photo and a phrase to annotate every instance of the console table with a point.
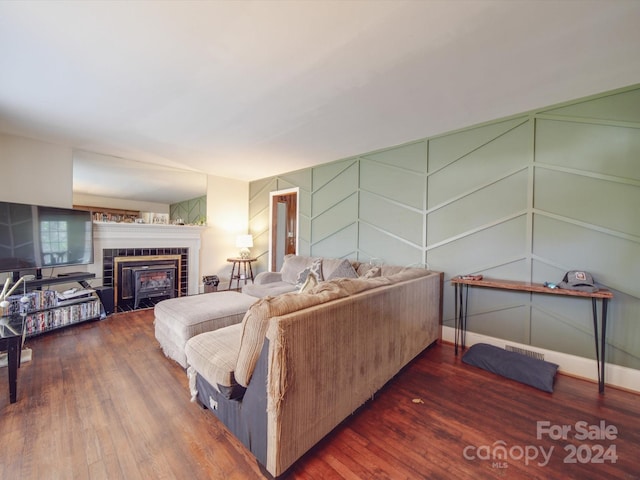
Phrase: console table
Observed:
(461, 293)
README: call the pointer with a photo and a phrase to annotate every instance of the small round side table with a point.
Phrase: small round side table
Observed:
(237, 265)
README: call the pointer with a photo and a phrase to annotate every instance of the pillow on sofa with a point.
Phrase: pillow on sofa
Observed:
(309, 283)
(372, 272)
(293, 265)
(343, 270)
(513, 365)
(363, 268)
(315, 268)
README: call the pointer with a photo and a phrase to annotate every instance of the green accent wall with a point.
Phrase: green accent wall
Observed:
(523, 198)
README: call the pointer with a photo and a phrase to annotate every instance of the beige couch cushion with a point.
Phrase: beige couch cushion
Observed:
(214, 355)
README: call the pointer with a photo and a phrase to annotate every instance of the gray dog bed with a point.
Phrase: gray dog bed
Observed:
(516, 366)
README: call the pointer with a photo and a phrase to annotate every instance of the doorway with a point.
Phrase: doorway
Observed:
(283, 226)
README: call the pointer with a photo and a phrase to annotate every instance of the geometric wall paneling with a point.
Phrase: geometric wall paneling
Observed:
(299, 178)
(302, 179)
(623, 334)
(323, 174)
(259, 219)
(448, 148)
(339, 183)
(610, 205)
(392, 217)
(259, 196)
(546, 272)
(612, 260)
(565, 324)
(551, 332)
(337, 217)
(408, 157)
(515, 269)
(387, 249)
(498, 313)
(494, 307)
(341, 244)
(492, 203)
(285, 184)
(509, 323)
(495, 159)
(498, 245)
(620, 107)
(304, 233)
(586, 147)
(523, 198)
(262, 187)
(304, 202)
(403, 186)
(260, 236)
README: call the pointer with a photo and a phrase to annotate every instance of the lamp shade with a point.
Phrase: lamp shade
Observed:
(244, 241)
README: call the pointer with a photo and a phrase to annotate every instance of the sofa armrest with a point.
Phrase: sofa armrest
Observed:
(267, 277)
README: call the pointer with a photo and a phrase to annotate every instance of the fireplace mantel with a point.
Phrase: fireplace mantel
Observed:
(144, 230)
(136, 235)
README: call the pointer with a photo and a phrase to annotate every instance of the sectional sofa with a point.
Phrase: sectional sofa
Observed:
(299, 363)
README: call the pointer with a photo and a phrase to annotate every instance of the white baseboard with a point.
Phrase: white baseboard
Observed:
(614, 375)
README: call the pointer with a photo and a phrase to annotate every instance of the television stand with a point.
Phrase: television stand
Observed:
(72, 274)
(80, 277)
(48, 311)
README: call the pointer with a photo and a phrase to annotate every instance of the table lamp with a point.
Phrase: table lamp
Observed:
(244, 243)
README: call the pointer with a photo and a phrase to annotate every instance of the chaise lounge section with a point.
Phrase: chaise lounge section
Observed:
(179, 319)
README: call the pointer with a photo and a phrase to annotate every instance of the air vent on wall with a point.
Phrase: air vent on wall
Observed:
(528, 353)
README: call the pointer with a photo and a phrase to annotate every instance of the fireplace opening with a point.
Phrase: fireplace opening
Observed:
(141, 281)
(153, 282)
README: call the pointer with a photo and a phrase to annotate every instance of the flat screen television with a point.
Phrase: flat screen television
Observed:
(36, 237)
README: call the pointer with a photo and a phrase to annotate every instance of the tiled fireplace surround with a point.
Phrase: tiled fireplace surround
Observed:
(125, 239)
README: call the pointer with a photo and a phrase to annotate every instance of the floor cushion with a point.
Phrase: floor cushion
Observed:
(516, 366)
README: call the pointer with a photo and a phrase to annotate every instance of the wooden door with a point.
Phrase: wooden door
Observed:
(284, 227)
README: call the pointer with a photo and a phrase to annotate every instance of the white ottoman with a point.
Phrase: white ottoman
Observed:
(179, 319)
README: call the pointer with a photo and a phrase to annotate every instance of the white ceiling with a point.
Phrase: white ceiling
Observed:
(250, 89)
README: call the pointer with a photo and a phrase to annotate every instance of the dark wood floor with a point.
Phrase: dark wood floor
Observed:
(100, 401)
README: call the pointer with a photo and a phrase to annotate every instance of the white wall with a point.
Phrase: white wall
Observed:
(36, 172)
(227, 217)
